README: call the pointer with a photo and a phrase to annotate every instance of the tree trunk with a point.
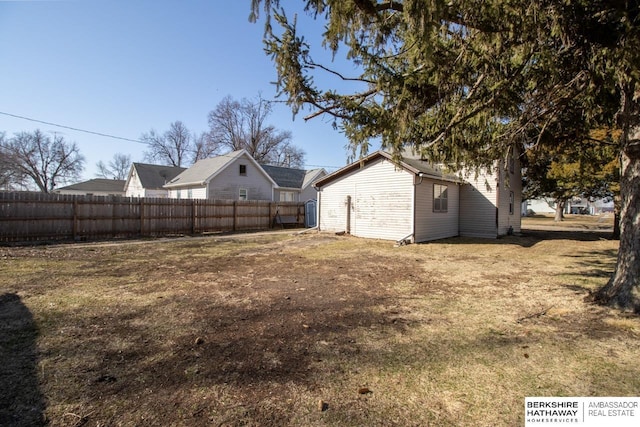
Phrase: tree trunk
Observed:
(560, 204)
(623, 288)
(616, 218)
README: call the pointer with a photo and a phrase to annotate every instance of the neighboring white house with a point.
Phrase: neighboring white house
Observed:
(232, 176)
(294, 185)
(539, 206)
(237, 176)
(146, 180)
(413, 200)
(308, 191)
(95, 187)
(577, 205)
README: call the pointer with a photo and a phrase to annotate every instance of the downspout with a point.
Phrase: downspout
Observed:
(319, 194)
(498, 182)
(412, 237)
(348, 224)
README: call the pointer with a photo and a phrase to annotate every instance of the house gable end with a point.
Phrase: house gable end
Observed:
(205, 170)
(234, 181)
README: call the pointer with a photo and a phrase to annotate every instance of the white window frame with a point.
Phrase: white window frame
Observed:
(440, 195)
(287, 196)
(512, 200)
(242, 170)
(243, 194)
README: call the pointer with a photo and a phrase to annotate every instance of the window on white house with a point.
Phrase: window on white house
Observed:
(511, 201)
(190, 194)
(243, 170)
(287, 196)
(440, 198)
(179, 194)
(243, 194)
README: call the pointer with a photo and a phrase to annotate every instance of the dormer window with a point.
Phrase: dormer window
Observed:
(243, 170)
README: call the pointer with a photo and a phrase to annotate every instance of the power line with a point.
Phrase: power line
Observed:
(73, 128)
(323, 166)
(116, 137)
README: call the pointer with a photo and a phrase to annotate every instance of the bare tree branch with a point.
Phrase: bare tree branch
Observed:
(172, 147)
(44, 161)
(243, 124)
(118, 167)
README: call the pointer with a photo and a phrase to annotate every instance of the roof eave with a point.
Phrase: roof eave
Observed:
(374, 156)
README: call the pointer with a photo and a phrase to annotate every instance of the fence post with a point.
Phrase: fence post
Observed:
(141, 216)
(235, 214)
(114, 210)
(193, 216)
(75, 218)
(271, 215)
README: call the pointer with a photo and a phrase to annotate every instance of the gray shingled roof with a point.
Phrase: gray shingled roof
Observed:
(312, 175)
(411, 163)
(203, 169)
(154, 177)
(97, 184)
(285, 177)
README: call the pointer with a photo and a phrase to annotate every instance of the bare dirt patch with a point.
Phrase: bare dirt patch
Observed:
(289, 329)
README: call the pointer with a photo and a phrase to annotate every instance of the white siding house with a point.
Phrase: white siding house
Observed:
(233, 176)
(375, 201)
(542, 205)
(490, 204)
(431, 223)
(237, 176)
(378, 197)
(145, 180)
(294, 185)
(509, 198)
(308, 191)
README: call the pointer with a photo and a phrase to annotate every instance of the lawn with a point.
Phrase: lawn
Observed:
(583, 222)
(313, 330)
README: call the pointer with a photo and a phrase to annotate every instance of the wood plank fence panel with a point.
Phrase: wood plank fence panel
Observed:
(27, 216)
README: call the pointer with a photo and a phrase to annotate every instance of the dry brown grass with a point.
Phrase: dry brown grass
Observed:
(582, 222)
(313, 330)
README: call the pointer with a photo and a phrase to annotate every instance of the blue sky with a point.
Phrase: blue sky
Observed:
(124, 67)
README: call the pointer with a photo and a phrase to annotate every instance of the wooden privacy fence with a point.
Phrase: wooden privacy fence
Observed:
(28, 216)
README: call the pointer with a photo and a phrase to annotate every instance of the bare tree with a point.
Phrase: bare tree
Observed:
(171, 148)
(118, 167)
(288, 155)
(243, 124)
(204, 147)
(45, 161)
(6, 168)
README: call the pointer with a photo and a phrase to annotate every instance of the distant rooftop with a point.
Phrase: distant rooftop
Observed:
(153, 177)
(97, 184)
(285, 177)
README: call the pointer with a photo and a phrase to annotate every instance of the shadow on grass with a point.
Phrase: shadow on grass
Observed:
(21, 402)
(529, 238)
(596, 263)
(592, 264)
